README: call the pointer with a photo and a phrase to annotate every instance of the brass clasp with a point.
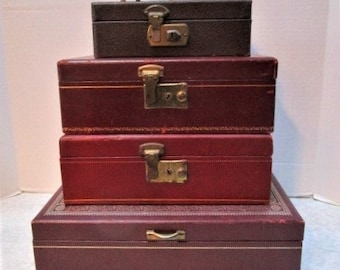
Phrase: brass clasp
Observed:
(162, 171)
(166, 95)
(159, 34)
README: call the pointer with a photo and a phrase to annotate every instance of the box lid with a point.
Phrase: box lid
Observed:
(277, 221)
(185, 10)
(118, 71)
(174, 145)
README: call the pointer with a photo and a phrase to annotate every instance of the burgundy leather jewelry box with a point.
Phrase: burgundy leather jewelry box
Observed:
(172, 28)
(168, 95)
(167, 169)
(181, 237)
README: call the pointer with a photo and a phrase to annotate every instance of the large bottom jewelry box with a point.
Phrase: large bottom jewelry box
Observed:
(168, 237)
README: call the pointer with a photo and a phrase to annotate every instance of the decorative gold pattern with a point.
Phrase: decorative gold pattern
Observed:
(90, 130)
(276, 207)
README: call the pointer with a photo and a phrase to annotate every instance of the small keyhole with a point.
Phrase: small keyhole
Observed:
(173, 35)
(169, 172)
(168, 96)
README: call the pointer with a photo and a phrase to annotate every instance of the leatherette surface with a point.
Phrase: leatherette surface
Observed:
(228, 168)
(224, 94)
(215, 28)
(217, 236)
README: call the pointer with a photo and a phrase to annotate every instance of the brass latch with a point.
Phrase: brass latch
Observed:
(160, 34)
(162, 171)
(165, 95)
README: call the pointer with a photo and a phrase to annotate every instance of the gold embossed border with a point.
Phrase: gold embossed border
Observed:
(276, 207)
(93, 130)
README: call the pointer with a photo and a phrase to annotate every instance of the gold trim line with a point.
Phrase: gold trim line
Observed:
(167, 247)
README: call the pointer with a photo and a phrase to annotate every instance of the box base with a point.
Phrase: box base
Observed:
(218, 237)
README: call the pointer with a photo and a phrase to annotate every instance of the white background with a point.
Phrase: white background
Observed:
(304, 35)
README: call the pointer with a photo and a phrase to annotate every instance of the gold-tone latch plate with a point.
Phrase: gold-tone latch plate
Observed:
(164, 95)
(162, 171)
(162, 35)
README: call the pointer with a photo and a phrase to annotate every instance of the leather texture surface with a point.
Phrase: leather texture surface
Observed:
(217, 236)
(215, 28)
(225, 95)
(206, 38)
(189, 9)
(230, 169)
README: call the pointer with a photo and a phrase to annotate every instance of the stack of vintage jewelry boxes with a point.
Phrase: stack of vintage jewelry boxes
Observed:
(167, 154)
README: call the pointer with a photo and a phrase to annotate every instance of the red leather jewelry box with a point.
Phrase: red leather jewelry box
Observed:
(181, 237)
(168, 95)
(166, 168)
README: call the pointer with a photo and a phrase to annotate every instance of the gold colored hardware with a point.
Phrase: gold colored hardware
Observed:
(162, 171)
(181, 96)
(159, 34)
(150, 75)
(156, 14)
(165, 95)
(151, 153)
(152, 235)
(171, 171)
